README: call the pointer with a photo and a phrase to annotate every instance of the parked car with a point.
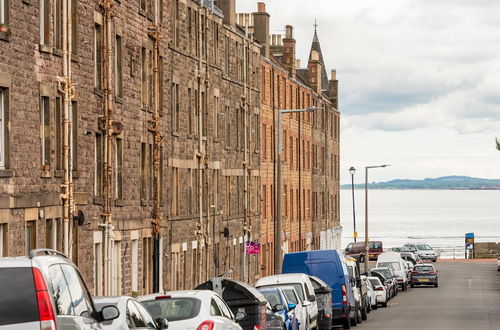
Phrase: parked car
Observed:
(293, 297)
(390, 279)
(191, 310)
(281, 306)
(424, 274)
(273, 321)
(381, 295)
(329, 266)
(357, 249)
(371, 294)
(302, 284)
(324, 299)
(394, 261)
(45, 290)
(498, 264)
(424, 251)
(133, 314)
(358, 287)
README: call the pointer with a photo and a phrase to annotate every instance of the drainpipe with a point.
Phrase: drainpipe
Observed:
(200, 154)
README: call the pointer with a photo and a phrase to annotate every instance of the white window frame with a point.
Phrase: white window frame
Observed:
(116, 268)
(2, 234)
(98, 264)
(134, 254)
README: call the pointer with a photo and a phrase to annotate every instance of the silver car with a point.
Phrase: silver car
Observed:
(133, 315)
(191, 310)
(46, 291)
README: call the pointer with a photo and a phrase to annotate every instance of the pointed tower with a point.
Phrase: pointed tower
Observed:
(317, 62)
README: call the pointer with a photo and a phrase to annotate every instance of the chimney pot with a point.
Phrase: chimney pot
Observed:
(261, 7)
(289, 31)
(297, 64)
(334, 74)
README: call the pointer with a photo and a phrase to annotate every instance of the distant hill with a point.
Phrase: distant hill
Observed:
(446, 182)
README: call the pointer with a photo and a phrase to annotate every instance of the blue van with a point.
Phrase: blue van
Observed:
(328, 265)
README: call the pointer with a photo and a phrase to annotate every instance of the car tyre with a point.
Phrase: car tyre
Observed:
(412, 285)
(364, 314)
(347, 323)
(436, 285)
(354, 320)
(384, 304)
(375, 306)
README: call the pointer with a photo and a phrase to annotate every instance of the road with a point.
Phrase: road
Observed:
(468, 297)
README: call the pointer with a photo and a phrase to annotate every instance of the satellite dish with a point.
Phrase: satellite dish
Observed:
(226, 232)
(80, 218)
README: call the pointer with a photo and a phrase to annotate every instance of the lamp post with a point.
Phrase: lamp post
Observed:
(277, 224)
(352, 170)
(366, 213)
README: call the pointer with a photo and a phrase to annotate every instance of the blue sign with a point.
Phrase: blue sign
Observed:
(469, 235)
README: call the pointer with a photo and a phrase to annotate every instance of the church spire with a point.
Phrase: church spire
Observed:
(317, 47)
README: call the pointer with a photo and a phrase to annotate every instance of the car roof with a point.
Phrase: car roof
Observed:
(200, 294)
(283, 278)
(424, 265)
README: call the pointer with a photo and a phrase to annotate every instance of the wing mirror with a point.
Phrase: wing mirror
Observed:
(162, 323)
(240, 316)
(109, 313)
(312, 298)
(278, 308)
(291, 306)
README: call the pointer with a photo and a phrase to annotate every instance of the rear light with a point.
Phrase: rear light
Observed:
(45, 310)
(206, 325)
(414, 272)
(344, 295)
(432, 272)
(163, 297)
(256, 327)
(379, 288)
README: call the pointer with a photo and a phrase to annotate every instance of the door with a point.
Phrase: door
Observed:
(138, 317)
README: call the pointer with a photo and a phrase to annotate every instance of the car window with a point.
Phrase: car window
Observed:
(18, 301)
(424, 247)
(375, 281)
(393, 265)
(224, 308)
(60, 291)
(214, 309)
(148, 319)
(173, 309)
(375, 245)
(135, 316)
(349, 247)
(423, 268)
(291, 296)
(308, 293)
(273, 297)
(78, 292)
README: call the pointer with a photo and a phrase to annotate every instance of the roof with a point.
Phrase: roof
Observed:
(317, 47)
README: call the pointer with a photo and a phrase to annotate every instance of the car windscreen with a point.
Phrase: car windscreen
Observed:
(291, 296)
(424, 247)
(386, 273)
(173, 309)
(375, 245)
(423, 268)
(273, 297)
(296, 286)
(375, 282)
(394, 265)
(18, 301)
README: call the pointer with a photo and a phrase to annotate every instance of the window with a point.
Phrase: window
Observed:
(146, 171)
(44, 22)
(60, 291)
(30, 236)
(116, 266)
(146, 78)
(175, 191)
(175, 108)
(118, 67)
(97, 56)
(80, 297)
(118, 168)
(190, 111)
(215, 117)
(53, 234)
(176, 23)
(214, 309)
(264, 142)
(99, 164)
(3, 126)
(228, 126)
(98, 268)
(74, 26)
(134, 252)
(4, 12)
(3, 240)
(146, 265)
(59, 133)
(45, 132)
(74, 137)
(58, 24)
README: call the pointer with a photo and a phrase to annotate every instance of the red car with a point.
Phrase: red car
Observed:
(357, 249)
(498, 264)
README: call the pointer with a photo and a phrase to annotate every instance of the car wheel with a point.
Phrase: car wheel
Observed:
(412, 285)
(436, 285)
(375, 306)
(384, 304)
(364, 314)
(354, 320)
(347, 323)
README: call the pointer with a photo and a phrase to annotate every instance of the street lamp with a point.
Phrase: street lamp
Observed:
(277, 226)
(366, 213)
(352, 170)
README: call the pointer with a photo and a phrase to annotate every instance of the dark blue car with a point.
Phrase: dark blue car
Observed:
(281, 307)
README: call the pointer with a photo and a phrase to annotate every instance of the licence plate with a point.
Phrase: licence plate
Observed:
(423, 280)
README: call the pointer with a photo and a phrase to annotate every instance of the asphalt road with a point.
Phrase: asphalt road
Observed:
(468, 297)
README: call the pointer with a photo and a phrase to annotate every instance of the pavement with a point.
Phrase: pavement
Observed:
(468, 297)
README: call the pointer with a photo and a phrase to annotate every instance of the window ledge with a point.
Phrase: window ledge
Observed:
(6, 173)
(97, 200)
(58, 173)
(57, 52)
(119, 202)
(119, 100)
(144, 202)
(46, 174)
(189, 136)
(98, 91)
(45, 48)
(5, 36)
(176, 134)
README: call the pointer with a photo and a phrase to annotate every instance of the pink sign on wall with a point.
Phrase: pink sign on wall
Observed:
(252, 247)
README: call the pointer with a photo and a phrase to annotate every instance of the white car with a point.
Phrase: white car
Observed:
(394, 261)
(424, 251)
(305, 290)
(191, 310)
(370, 292)
(380, 291)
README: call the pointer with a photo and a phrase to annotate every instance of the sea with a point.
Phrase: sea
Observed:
(440, 218)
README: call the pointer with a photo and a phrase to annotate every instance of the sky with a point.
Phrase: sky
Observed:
(419, 81)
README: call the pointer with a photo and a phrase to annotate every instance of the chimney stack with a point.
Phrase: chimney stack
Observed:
(261, 28)
(289, 60)
(333, 90)
(228, 8)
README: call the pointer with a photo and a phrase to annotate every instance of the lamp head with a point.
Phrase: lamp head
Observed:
(352, 170)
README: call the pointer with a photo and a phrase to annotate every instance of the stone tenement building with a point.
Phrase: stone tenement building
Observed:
(310, 144)
(129, 139)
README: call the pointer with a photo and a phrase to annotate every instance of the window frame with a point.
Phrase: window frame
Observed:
(3, 127)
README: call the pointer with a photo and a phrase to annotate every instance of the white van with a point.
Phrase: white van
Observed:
(302, 284)
(394, 261)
